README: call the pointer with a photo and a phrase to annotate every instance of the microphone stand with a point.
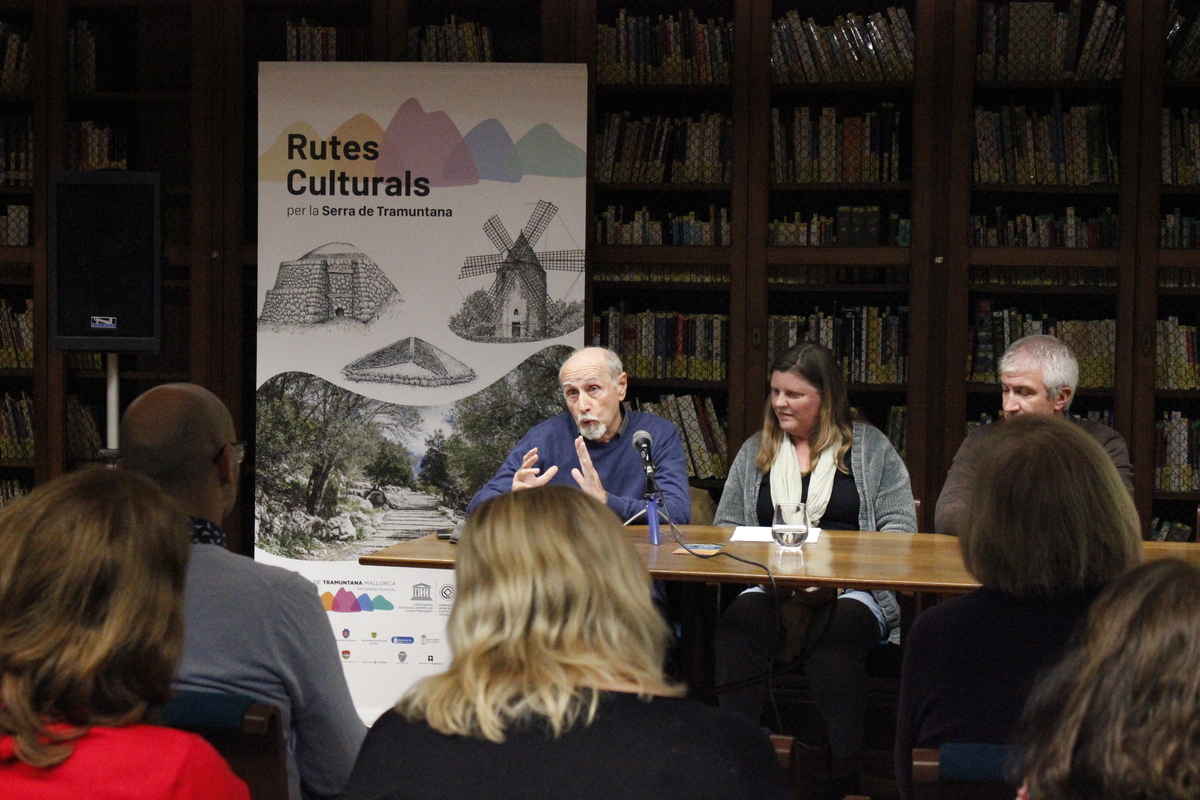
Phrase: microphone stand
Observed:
(653, 499)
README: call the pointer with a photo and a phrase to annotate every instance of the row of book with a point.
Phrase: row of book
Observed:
(1025, 145)
(1094, 342)
(15, 225)
(1040, 41)
(96, 145)
(1177, 453)
(1165, 530)
(660, 149)
(16, 426)
(14, 69)
(851, 49)
(1044, 230)
(1179, 230)
(829, 274)
(310, 41)
(16, 336)
(665, 344)
(661, 273)
(11, 490)
(1182, 44)
(83, 438)
(1042, 276)
(851, 226)
(677, 229)
(700, 430)
(1178, 278)
(896, 428)
(451, 41)
(870, 342)
(676, 49)
(16, 151)
(81, 58)
(1181, 146)
(824, 146)
(81, 360)
(1176, 355)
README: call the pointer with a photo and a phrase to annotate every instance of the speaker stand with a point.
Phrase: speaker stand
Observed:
(111, 453)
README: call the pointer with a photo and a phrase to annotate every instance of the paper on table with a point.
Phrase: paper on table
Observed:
(746, 533)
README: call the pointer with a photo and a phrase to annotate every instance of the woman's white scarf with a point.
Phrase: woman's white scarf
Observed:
(786, 479)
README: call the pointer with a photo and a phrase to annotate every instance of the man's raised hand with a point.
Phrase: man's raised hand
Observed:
(527, 476)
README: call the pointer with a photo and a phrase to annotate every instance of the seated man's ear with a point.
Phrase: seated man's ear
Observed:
(1062, 400)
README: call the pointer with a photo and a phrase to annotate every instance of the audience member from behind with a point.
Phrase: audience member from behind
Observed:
(1050, 524)
(92, 567)
(556, 687)
(1038, 375)
(1119, 717)
(252, 629)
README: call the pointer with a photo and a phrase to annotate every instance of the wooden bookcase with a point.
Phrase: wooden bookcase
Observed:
(180, 79)
(1056, 282)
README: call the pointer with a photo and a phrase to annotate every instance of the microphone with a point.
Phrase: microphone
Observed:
(642, 441)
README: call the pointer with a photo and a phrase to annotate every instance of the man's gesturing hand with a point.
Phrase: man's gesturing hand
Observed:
(527, 476)
(587, 477)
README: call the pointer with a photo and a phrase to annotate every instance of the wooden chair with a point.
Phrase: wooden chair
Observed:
(963, 771)
(785, 751)
(248, 734)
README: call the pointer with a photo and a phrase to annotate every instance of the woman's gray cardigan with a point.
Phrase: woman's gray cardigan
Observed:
(885, 501)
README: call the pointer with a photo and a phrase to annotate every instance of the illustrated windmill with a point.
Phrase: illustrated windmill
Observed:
(518, 295)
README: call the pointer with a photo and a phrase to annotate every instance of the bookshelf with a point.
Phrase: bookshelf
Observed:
(19, 112)
(1169, 272)
(732, 252)
(668, 168)
(1043, 199)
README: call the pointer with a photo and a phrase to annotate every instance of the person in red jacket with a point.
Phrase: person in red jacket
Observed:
(92, 568)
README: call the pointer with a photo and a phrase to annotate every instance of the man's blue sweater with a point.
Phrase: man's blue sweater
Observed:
(616, 461)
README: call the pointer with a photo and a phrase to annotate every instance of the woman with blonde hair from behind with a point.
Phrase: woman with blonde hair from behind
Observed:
(1119, 717)
(556, 687)
(92, 569)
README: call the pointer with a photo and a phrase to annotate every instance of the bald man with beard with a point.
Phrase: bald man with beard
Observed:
(251, 629)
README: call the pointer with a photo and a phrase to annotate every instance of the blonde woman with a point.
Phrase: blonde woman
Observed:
(556, 687)
(1119, 717)
(811, 450)
(92, 569)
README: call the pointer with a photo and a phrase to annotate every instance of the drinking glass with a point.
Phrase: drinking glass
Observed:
(789, 528)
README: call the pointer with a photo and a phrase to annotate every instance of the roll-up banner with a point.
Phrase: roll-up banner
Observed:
(421, 237)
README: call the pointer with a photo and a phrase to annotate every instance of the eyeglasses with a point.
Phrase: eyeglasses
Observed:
(239, 452)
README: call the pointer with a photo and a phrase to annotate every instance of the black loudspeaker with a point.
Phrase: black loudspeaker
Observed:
(105, 266)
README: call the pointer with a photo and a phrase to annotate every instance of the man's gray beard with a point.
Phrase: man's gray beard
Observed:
(592, 429)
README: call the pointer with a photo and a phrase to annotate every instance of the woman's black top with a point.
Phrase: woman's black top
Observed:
(840, 515)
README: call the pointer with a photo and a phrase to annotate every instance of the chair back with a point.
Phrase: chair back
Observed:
(247, 733)
(963, 771)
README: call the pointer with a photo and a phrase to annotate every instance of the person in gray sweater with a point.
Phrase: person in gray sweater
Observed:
(851, 478)
(251, 629)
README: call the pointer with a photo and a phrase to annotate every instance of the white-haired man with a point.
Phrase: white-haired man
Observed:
(590, 445)
(251, 629)
(1038, 375)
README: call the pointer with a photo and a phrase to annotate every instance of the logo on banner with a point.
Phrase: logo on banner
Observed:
(402, 640)
(421, 591)
(373, 634)
(345, 633)
(345, 655)
(447, 592)
(403, 656)
(346, 602)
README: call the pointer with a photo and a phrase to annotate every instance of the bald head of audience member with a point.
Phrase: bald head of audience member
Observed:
(182, 436)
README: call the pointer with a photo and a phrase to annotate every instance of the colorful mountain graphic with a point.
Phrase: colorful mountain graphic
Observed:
(345, 602)
(429, 144)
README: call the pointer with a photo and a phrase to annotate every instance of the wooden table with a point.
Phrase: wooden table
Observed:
(926, 562)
